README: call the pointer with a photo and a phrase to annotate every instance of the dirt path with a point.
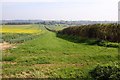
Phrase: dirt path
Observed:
(5, 45)
(52, 65)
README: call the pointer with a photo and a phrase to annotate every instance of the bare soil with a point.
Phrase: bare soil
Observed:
(6, 45)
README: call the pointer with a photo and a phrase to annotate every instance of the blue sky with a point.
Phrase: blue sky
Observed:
(61, 9)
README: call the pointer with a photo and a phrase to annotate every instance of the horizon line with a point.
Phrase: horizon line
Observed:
(59, 20)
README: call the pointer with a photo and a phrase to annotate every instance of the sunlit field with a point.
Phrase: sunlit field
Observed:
(19, 33)
(60, 40)
(41, 54)
(19, 29)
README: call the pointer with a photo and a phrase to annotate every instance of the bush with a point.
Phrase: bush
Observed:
(108, 32)
(106, 73)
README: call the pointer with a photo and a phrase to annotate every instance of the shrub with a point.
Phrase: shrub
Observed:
(106, 73)
(108, 32)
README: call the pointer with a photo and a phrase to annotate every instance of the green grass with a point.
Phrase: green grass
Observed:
(48, 56)
(8, 58)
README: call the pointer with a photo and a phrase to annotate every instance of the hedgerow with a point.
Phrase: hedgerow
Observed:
(109, 32)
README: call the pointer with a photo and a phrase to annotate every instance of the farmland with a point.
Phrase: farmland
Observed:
(40, 53)
(19, 29)
(19, 33)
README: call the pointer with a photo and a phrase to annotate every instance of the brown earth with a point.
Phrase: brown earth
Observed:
(5, 45)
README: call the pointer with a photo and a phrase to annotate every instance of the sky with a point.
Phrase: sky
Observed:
(94, 10)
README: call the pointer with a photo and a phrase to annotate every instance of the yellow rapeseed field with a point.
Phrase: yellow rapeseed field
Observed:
(19, 29)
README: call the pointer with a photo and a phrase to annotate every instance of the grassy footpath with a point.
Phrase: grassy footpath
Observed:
(51, 57)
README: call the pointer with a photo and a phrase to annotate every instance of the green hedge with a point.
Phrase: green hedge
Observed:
(109, 32)
(106, 73)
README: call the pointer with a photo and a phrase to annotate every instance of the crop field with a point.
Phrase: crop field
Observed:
(19, 29)
(41, 54)
(19, 33)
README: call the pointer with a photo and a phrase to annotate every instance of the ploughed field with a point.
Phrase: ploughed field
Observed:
(39, 53)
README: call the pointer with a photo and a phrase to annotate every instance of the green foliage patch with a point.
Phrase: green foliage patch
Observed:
(109, 32)
(106, 73)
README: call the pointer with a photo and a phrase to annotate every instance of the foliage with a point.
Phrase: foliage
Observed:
(109, 32)
(106, 73)
(77, 39)
(17, 37)
(8, 58)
